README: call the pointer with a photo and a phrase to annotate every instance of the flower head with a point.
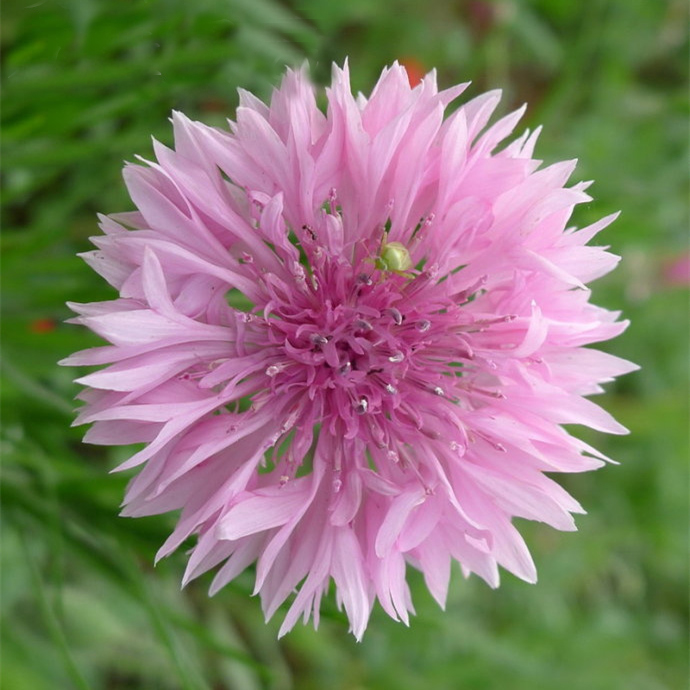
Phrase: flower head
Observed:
(349, 341)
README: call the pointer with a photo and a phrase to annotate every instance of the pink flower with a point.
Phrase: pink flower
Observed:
(349, 342)
(676, 270)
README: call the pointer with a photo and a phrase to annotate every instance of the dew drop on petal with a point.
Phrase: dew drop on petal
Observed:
(423, 326)
(272, 370)
(396, 357)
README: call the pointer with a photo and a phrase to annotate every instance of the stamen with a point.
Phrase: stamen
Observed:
(318, 339)
(311, 232)
(361, 406)
(397, 316)
(332, 200)
(298, 272)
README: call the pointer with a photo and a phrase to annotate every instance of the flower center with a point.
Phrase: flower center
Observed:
(358, 346)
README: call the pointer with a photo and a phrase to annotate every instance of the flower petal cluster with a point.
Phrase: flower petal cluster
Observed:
(349, 341)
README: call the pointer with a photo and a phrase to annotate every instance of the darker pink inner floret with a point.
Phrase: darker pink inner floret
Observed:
(365, 349)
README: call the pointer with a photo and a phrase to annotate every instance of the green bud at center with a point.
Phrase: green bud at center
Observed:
(395, 257)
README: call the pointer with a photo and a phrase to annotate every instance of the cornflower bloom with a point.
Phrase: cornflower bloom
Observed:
(349, 342)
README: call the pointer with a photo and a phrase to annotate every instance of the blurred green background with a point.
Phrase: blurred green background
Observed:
(85, 84)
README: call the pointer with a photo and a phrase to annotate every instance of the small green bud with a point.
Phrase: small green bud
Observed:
(395, 257)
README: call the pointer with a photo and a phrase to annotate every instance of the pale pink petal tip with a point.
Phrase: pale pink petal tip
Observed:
(348, 343)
